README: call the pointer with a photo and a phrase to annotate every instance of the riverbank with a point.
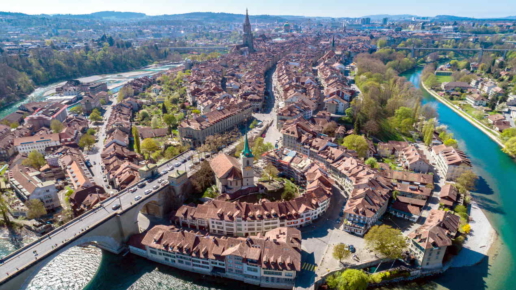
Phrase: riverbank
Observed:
(464, 115)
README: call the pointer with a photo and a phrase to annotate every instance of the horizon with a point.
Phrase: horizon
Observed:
(301, 8)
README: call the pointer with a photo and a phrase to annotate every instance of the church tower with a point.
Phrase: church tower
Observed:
(248, 35)
(246, 160)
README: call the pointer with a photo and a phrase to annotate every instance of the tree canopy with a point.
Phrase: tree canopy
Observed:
(86, 141)
(149, 146)
(34, 160)
(350, 279)
(56, 126)
(340, 252)
(386, 240)
(357, 143)
(36, 209)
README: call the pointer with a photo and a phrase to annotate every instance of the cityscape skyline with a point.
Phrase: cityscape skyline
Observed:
(325, 8)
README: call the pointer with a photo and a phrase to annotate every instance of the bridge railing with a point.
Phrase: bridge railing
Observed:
(78, 218)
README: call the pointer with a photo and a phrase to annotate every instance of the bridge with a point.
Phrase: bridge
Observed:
(480, 51)
(108, 225)
(199, 48)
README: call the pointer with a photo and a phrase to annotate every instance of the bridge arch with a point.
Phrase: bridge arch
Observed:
(104, 242)
(146, 211)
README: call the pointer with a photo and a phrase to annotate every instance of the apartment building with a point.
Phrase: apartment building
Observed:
(429, 242)
(194, 131)
(450, 161)
(271, 260)
(28, 184)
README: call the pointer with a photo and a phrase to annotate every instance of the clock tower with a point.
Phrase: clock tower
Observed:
(246, 159)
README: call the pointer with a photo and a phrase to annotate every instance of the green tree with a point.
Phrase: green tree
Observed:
(14, 125)
(431, 81)
(350, 279)
(36, 209)
(136, 137)
(510, 146)
(34, 160)
(386, 240)
(77, 110)
(170, 120)
(56, 126)
(4, 210)
(270, 172)
(195, 111)
(149, 146)
(164, 109)
(91, 131)
(86, 141)
(253, 124)
(103, 102)
(156, 122)
(259, 147)
(371, 161)
(451, 142)
(289, 190)
(508, 133)
(95, 116)
(211, 192)
(461, 209)
(467, 180)
(340, 252)
(357, 143)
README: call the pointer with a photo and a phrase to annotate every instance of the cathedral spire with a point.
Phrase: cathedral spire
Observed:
(247, 22)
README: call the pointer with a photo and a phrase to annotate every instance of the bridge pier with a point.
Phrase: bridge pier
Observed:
(480, 55)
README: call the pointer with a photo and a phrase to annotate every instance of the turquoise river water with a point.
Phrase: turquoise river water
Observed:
(89, 268)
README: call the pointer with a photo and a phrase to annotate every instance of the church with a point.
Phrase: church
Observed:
(247, 39)
(232, 174)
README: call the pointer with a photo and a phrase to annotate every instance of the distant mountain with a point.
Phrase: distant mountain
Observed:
(114, 15)
(392, 17)
(224, 17)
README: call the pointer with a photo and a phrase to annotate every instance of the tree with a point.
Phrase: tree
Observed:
(14, 125)
(461, 209)
(428, 132)
(270, 171)
(451, 142)
(136, 137)
(350, 279)
(510, 147)
(395, 194)
(203, 178)
(4, 209)
(56, 126)
(259, 147)
(431, 81)
(36, 209)
(466, 229)
(103, 102)
(329, 129)
(289, 190)
(77, 110)
(170, 120)
(253, 124)
(467, 180)
(149, 146)
(91, 131)
(508, 134)
(164, 109)
(95, 116)
(156, 122)
(386, 240)
(340, 252)
(86, 141)
(371, 161)
(357, 143)
(34, 160)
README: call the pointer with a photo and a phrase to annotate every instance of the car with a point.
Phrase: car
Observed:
(116, 206)
(160, 180)
(137, 198)
(207, 155)
(155, 187)
(177, 164)
(202, 159)
(352, 248)
(183, 161)
(142, 184)
(133, 189)
(196, 162)
(164, 171)
(148, 191)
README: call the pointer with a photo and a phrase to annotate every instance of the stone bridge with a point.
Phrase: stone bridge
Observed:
(414, 51)
(108, 226)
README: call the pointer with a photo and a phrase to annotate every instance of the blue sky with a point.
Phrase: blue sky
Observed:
(330, 8)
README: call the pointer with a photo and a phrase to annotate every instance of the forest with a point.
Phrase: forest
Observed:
(21, 73)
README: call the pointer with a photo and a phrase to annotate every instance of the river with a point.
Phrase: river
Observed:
(91, 269)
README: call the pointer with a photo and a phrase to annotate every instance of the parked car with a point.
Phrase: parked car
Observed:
(148, 191)
(141, 185)
(177, 164)
(138, 197)
(133, 189)
(352, 248)
(160, 180)
(164, 172)
(116, 206)
(155, 187)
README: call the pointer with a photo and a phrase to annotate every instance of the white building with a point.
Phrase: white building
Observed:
(450, 161)
(37, 142)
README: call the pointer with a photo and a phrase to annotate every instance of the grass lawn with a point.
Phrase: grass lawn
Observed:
(444, 79)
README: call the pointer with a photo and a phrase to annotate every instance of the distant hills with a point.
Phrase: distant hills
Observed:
(229, 17)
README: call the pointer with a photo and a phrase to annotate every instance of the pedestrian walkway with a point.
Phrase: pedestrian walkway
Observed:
(309, 267)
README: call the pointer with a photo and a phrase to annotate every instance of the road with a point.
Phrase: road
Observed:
(94, 154)
(269, 111)
(68, 231)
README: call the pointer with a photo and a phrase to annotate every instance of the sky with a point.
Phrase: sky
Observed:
(328, 8)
